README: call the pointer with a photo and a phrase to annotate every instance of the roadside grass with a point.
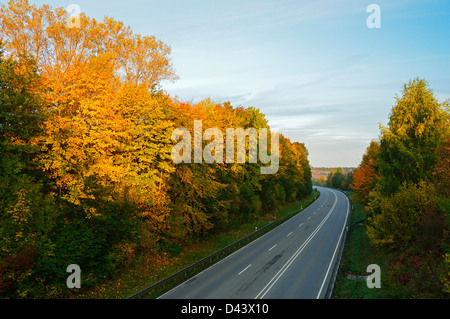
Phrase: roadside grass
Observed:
(358, 254)
(147, 270)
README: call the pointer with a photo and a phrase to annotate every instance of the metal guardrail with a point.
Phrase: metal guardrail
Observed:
(348, 228)
(341, 251)
(193, 269)
(182, 275)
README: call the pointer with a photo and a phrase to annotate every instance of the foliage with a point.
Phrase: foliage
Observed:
(365, 176)
(339, 178)
(403, 183)
(85, 140)
(417, 126)
(401, 214)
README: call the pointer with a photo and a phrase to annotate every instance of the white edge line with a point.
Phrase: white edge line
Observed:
(335, 250)
(223, 259)
(278, 275)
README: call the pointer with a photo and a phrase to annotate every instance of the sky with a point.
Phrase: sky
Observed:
(315, 69)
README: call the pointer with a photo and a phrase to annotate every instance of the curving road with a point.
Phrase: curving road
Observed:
(293, 261)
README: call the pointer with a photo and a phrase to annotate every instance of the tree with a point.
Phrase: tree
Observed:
(403, 183)
(27, 212)
(365, 176)
(397, 224)
(417, 126)
(348, 180)
(104, 138)
(85, 144)
(404, 161)
(441, 171)
(106, 134)
(337, 179)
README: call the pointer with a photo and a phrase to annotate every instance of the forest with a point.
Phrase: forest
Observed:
(403, 182)
(85, 140)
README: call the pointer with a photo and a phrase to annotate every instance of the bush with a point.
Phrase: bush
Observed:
(396, 225)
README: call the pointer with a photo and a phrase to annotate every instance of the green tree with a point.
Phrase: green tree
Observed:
(417, 126)
(337, 178)
(27, 211)
(403, 183)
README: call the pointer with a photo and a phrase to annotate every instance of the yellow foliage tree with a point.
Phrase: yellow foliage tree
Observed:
(106, 127)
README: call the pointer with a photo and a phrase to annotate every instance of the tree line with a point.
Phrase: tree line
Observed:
(339, 178)
(85, 140)
(403, 181)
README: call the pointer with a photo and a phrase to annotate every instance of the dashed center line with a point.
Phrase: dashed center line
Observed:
(289, 234)
(272, 247)
(283, 269)
(300, 225)
(244, 269)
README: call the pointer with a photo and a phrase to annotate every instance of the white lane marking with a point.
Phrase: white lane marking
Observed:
(289, 234)
(221, 261)
(309, 217)
(335, 250)
(272, 247)
(278, 275)
(244, 269)
(300, 225)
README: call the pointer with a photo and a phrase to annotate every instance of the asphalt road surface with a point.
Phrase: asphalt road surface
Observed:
(295, 260)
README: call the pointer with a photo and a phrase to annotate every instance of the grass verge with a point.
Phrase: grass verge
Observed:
(358, 255)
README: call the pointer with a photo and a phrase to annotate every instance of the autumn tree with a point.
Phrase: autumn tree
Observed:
(402, 183)
(104, 137)
(86, 144)
(106, 131)
(407, 153)
(365, 176)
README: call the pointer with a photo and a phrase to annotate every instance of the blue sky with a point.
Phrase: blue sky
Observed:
(321, 76)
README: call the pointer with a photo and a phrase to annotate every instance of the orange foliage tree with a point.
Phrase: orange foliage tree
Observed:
(366, 176)
(105, 121)
(103, 183)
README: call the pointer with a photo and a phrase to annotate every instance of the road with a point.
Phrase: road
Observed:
(295, 260)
